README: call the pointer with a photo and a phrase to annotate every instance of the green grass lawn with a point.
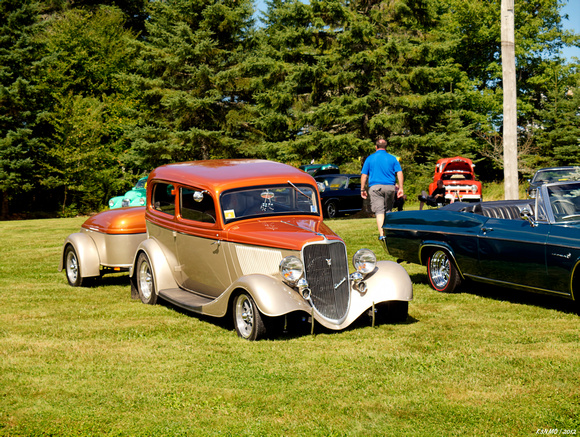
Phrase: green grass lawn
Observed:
(90, 361)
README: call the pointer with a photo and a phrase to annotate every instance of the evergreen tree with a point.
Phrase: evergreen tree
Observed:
(19, 23)
(85, 119)
(359, 70)
(539, 35)
(558, 135)
(194, 103)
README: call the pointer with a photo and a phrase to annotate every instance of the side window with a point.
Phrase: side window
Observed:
(196, 205)
(163, 198)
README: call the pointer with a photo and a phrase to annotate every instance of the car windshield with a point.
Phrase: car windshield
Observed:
(565, 201)
(269, 200)
(141, 183)
(555, 175)
(333, 183)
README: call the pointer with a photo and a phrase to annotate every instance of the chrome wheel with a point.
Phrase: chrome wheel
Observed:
(145, 282)
(442, 273)
(72, 267)
(439, 267)
(247, 318)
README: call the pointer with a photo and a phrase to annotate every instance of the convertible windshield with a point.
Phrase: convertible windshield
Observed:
(565, 201)
(269, 200)
(556, 174)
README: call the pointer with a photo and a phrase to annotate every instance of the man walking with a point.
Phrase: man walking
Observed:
(381, 170)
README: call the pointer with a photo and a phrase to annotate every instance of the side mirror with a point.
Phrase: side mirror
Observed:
(198, 195)
(526, 214)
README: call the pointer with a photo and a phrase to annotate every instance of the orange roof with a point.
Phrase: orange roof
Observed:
(222, 174)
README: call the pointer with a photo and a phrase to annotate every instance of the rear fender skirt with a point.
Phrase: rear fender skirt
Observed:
(428, 246)
(88, 255)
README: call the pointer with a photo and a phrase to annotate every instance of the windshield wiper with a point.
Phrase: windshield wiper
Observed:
(298, 190)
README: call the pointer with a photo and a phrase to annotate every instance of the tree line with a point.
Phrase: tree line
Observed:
(94, 94)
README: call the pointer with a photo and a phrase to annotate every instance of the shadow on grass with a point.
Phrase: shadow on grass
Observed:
(294, 325)
(119, 279)
(520, 297)
(291, 326)
(512, 295)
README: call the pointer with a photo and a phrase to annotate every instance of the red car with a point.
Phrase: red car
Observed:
(459, 179)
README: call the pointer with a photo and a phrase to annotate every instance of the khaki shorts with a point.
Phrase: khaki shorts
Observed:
(382, 198)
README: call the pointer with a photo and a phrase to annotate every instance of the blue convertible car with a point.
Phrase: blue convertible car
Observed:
(531, 244)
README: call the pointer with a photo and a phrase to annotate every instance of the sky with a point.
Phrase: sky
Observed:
(573, 23)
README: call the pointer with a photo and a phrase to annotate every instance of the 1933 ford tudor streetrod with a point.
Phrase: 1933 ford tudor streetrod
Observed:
(239, 237)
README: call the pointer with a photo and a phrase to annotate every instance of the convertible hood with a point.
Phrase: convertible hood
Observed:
(286, 233)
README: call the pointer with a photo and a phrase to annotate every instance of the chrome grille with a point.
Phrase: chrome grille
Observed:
(327, 274)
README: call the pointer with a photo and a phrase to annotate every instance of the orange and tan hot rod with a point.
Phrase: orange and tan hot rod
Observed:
(243, 238)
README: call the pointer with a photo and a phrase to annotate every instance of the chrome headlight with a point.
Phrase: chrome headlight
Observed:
(111, 203)
(291, 269)
(142, 201)
(364, 261)
(474, 188)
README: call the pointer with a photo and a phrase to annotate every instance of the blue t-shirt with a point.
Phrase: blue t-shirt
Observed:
(382, 168)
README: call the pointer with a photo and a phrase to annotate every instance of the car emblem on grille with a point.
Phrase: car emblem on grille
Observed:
(329, 262)
(339, 284)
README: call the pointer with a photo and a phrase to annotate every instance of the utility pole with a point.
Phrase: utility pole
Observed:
(510, 138)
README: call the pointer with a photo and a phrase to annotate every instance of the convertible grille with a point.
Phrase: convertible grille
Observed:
(327, 274)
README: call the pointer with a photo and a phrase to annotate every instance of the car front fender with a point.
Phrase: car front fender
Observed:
(87, 253)
(272, 296)
(388, 282)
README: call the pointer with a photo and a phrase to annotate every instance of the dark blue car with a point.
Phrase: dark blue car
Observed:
(339, 193)
(531, 244)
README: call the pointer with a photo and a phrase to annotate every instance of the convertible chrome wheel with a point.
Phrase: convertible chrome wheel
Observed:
(72, 267)
(145, 281)
(247, 318)
(442, 273)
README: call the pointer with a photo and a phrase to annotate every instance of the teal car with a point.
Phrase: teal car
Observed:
(531, 244)
(134, 197)
(320, 169)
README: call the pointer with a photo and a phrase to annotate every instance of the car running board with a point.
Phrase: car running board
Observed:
(184, 299)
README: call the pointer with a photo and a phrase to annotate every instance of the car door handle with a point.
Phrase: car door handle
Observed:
(484, 230)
